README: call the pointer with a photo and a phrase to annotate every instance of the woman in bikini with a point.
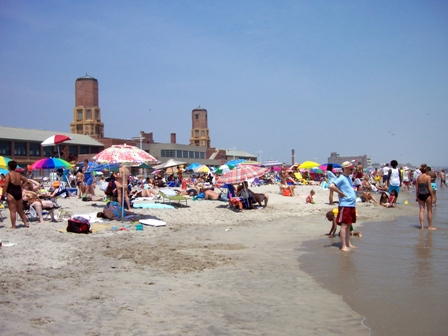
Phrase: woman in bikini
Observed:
(425, 198)
(13, 191)
(122, 176)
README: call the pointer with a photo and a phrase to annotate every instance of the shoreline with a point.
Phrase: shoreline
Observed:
(209, 271)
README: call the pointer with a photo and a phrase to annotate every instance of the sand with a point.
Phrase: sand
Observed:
(209, 271)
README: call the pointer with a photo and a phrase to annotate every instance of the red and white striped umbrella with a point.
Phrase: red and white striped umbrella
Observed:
(240, 174)
(56, 140)
(125, 155)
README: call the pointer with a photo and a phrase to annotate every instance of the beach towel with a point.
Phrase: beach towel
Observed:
(153, 206)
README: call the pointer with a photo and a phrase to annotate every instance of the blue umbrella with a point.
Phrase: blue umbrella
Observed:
(235, 162)
(193, 166)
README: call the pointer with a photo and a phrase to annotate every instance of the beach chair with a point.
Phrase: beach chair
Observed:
(173, 198)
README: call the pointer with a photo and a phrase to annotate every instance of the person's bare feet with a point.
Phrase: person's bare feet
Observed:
(352, 246)
(432, 228)
(345, 249)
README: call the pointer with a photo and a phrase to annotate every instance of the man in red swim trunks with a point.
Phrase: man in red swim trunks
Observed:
(347, 203)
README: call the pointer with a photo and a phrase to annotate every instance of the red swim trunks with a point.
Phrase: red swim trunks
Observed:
(346, 215)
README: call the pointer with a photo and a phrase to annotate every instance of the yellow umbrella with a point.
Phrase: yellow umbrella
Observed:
(202, 169)
(309, 165)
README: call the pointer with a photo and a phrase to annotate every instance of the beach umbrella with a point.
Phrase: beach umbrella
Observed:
(202, 169)
(51, 163)
(55, 140)
(234, 162)
(224, 169)
(325, 165)
(4, 162)
(194, 165)
(124, 155)
(241, 173)
(250, 163)
(316, 170)
(271, 163)
(169, 163)
(308, 165)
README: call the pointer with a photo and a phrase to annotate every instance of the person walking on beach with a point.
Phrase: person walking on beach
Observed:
(347, 203)
(442, 179)
(331, 177)
(425, 198)
(395, 179)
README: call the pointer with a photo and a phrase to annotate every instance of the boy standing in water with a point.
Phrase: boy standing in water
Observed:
(347, 203)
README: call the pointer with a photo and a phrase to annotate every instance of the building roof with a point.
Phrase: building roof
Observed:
(236, 153)
(26, 134)
(86, 77)
(199, 108)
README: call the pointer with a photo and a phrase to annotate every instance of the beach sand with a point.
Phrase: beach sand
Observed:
(209, 271)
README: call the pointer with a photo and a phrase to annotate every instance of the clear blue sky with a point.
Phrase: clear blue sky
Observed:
(355, 77)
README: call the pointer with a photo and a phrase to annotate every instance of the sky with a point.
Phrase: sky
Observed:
(352, 77)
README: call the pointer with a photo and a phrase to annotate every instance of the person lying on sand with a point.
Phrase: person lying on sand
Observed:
(113, 211)
(212, 195)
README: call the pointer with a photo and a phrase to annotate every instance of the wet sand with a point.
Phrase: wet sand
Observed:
(397, 276)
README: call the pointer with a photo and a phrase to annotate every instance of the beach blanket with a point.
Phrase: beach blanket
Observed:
(93, 227)
(152, 206)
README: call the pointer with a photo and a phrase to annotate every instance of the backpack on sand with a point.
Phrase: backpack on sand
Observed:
(78, 224)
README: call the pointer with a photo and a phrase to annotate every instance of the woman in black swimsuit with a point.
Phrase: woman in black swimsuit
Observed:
(13, 191)
(425, 198)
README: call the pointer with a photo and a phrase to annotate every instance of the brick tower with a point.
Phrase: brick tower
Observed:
(199, 129)
(87, 114)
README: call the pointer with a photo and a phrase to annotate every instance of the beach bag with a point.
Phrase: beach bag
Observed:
(286, 192)
(78, 224)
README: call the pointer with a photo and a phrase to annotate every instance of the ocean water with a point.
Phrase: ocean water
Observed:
(397, 277)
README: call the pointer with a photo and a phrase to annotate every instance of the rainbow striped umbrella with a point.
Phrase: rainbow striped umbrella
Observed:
(51, 163)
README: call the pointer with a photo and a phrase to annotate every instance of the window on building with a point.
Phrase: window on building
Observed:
(202, 134)
(73, 150)
(97, 114)
(20, 148)
(5, 148)
(168, 153)
(197, 116)
(35, 149)
(196, 133)
(179, 153)
(79, 116)
(196, 142)
(79, 129)
(191, 154)
(88, 114)
(185, 154)
(202, 155)
(83, 150)
(196, 155)
(48, 151)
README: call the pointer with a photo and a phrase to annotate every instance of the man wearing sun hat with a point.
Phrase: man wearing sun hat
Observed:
(347, 203)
